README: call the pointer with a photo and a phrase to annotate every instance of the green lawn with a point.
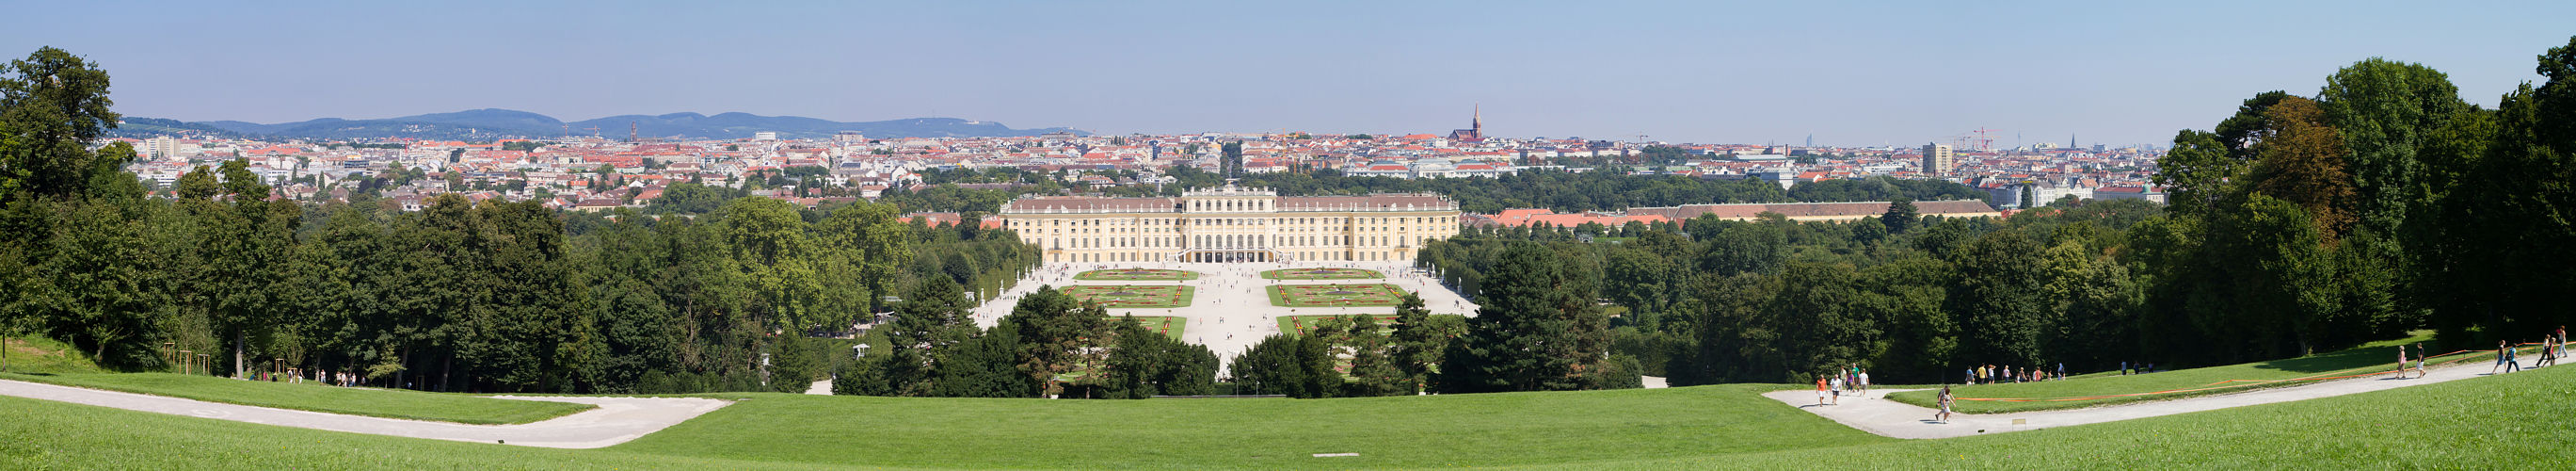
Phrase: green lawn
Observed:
(389, 403)
(1137, 274)
(1134, 296)
(2501, 422)
(1367, 295)
(1322, 274)
(43, 355)
(1416, 431)
(55, 435)
(2374, 357)
(1168, 326)
(2494, 422)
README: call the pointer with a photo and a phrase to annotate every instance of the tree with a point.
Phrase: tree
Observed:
(1998, 297)
(987, 366)
(1373, 372)
(1271, 366)
(2302, 163)
(52, 105)
(1143, 364)
(930, 320)
(2386, 111)
(1900, 216)
(770, 242)
(1056, 334)
(1530, 333)
(1417, 344)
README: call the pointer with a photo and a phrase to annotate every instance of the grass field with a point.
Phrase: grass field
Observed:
(2373, 357)
(1134, 296)
(1168, 326)
(1322, 274)
(42, 355)
(2501, 422)
(1335, 295)
(1137, 274)
(2495, 422)
(388, 403)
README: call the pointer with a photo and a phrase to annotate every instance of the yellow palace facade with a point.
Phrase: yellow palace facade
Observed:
(1232, 224)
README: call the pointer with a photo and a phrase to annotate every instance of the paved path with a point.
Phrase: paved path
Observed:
(1230, 311)
(1874, 413)
(617, 420)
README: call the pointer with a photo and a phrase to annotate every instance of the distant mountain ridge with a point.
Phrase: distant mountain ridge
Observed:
(491, 123)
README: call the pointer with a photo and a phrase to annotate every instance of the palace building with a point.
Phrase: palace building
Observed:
(1231, 224)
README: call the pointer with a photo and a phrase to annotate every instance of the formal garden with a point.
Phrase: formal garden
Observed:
(1133, 296)
(1336, 295)
(1322, 274)
(1136, 274)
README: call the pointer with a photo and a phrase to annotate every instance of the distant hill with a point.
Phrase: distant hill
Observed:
(493, 123)
(142, 128)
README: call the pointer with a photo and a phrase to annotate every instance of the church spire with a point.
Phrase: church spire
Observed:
(1478, 122)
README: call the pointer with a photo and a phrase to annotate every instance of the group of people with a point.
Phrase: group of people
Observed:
(1830, 387)
(2552, 346)
(1991, 374)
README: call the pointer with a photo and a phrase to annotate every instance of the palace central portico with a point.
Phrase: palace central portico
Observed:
(1231, 224)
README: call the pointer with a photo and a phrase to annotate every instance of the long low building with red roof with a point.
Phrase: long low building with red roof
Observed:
(1733, 212)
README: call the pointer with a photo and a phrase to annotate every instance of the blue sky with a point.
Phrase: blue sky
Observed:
(1851, 73)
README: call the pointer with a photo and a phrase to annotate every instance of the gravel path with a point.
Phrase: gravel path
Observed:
(1876, 414)
(617, 420)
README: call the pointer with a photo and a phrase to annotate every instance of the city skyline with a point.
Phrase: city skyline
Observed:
(1853, 75)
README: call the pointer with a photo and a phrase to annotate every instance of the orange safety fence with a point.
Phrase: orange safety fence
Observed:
(2211, 386)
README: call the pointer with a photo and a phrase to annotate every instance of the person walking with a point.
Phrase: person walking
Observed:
(2401, 362)
(1836, 383)
(2420, 355)
(2504, 354)
(1944, 415)
(1864, 384)
(1821, 391)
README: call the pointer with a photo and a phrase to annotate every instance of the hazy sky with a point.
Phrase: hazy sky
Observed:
(1712, 72)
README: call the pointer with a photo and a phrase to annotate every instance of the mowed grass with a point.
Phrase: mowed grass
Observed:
(1411, 431)
(1166, 325)
(2501, 422)
(2505, 421)
(387, 403)
(2369, 358)
(38, 434)
(43, 355)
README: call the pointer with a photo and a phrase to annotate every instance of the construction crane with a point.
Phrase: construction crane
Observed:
(1985, 139)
